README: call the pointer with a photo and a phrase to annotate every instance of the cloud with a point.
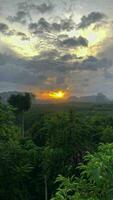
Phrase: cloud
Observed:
(23, 36)
(65, 24)
(73, 42)
(64, 64)
(92, 63)
(39, 27)
(68, 57)
(3, 59)
(20, 17)
(52, 54)
(44, 7)
(28, 78)
(21, 6)
(91, 18)
(3, 28)
(49, 63)
(22, 76)
(12, 69)
(34, 72)
(51, 69)
(11, 59)
(13, 32)
(44, 26)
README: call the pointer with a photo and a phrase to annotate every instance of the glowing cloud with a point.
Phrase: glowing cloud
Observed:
(21, 47)
(95, 38)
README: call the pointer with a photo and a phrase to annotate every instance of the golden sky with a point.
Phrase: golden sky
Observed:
(56, 47)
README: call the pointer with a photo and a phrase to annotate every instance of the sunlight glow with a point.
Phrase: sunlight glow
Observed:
(21, 47)
(53, 95)
(32, 47)
(57, 94)
(95, 38)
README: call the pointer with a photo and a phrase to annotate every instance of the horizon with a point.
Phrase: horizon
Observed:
(56, 49)
(58, 100)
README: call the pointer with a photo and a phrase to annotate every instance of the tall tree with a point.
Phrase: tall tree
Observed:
(22, 103)
(18, 158)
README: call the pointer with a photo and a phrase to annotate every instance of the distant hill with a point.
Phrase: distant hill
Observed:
(99, 98)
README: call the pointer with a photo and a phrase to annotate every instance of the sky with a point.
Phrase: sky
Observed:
(56, 45)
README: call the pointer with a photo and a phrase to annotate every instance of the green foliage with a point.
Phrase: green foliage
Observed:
(96, 178)
(8, 130)
(55, 143)
(65, 137)
(17, 158)
(15, 167)
(107, 134)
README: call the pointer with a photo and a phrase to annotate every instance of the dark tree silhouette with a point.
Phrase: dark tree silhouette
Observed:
(22, 103)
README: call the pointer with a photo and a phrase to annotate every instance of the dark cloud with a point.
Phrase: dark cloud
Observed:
(37, 70)
(68, 57)
(91, 18)
(21, 77)
(21, 6)
(23, 36)
(44, 26)
(93, 63)
(3, 59)
(73, 42)
(44, 7)
(64, 24)
(108, 75)
(11, 59)
(3, 28)
(20, 17)
(40, 27)
(52, 54)
(34, 72)
(12, 69)
(64, 65)
(50, 63)
(13, 32)
(28, 78)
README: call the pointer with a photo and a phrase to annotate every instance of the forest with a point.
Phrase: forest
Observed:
(57, 154)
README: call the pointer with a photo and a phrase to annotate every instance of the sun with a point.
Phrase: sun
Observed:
(53, 95)
(57, 95)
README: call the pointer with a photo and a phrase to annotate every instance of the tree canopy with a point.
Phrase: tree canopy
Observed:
(63, 146)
